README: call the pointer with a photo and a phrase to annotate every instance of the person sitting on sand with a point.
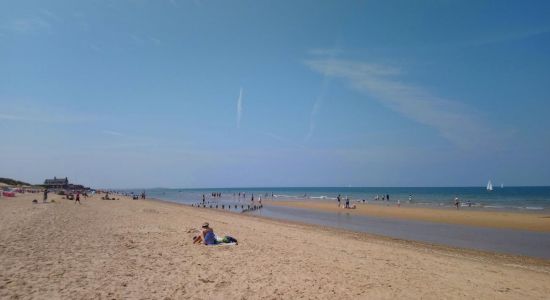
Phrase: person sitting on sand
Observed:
(208, 237)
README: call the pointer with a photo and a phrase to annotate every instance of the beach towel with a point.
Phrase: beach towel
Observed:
(225, 241)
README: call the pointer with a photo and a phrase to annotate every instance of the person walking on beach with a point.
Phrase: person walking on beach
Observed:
(338, 198)
(252, 198)
(457, 203)
(77, 199)
(347, 202)
(45, 196)
(203, 199)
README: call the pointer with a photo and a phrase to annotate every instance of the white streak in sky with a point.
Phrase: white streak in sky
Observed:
(331, 53)
(239, 108)
(45, 118)
(113, 133)
(29, 25)
(454, 121)
(316, 107)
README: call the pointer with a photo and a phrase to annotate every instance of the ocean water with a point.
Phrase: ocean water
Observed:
(535, 199)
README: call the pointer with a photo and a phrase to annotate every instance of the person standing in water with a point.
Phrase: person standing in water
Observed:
(457, 203)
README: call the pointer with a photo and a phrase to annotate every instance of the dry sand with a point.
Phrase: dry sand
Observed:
(464, 216)
(143, 250)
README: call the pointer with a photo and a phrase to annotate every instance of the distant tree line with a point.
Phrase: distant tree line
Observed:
(10, 181)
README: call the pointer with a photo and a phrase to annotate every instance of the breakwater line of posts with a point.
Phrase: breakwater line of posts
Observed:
(242, 208)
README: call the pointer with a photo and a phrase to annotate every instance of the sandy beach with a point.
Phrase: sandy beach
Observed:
(464, 216)
(143, 250)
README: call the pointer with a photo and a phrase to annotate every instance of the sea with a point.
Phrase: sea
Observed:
(521, 199)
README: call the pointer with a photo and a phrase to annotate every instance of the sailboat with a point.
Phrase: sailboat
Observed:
(489, 186)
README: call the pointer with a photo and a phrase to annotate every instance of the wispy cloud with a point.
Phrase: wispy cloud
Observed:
(331, 52)
(13, 117)
(144, 40)
(28, 25)
(454, 121)
(508, 36)
(155, 41)
(50, 15)
(113, 133)
(239, 108)
(44, 118)
(316, 107)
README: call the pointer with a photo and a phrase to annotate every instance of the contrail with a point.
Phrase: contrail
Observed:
(239, 108)
(316, 108)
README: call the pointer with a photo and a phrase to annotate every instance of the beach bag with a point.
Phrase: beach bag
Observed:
(229, 239)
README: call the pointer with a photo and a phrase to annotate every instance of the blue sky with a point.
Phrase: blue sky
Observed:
(275, 93)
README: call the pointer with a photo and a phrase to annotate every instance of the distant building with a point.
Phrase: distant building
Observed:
(57, 183)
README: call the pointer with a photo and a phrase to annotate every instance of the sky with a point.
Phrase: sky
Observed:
(200, 93)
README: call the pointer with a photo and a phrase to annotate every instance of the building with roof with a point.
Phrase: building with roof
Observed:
(57, 183)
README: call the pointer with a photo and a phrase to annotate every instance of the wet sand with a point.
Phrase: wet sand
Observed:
(464, 216)
(143, 249)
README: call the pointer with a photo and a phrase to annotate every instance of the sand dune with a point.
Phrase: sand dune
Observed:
(143, 250)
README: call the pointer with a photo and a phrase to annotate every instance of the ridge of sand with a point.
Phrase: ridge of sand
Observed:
(143, 249)
(464, 216)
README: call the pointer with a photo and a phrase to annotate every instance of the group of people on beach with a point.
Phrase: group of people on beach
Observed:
(457, 203)
(76, 196)
(339, 199)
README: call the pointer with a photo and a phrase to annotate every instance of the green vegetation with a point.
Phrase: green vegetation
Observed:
(13, 182)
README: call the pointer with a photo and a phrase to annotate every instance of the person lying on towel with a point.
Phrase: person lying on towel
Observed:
(208, 237)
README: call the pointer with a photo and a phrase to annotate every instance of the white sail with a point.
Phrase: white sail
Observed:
(489, 186)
